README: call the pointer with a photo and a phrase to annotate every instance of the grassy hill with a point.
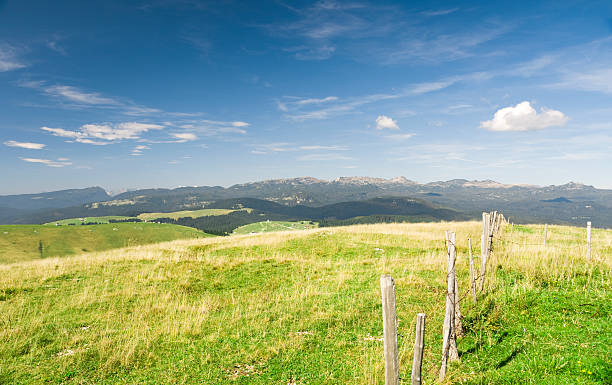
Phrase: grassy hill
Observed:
(304, 308)
(184, 214)
(87, 220)
(268, 226)
(143, 217)
(26, 242)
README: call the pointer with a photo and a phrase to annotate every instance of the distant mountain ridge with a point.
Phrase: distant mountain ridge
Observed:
(53, 199)
(524, 203)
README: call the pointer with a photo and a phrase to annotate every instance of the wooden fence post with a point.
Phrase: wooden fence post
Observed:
(419, 345)
(545, 233)
(446, 237)
(588, 240)
(387, 289)
(472, 278)
(458, 323)
(449, 346)
(484, 247)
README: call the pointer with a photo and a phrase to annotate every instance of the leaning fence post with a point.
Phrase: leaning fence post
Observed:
(449, 345)
(545, 233)
(419, 345)
(387, 289)
(588, 240)
(472, 278)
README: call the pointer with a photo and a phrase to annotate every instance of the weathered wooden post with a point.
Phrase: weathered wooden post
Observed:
(484, 247)
(446, 237)
(458, 323)
(545, 233)
(449, 345)
(387, 289)
(588, 240)
(494, 219)
(472, 278)
(419, 346)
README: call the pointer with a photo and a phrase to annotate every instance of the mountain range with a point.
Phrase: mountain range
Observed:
(571, 203)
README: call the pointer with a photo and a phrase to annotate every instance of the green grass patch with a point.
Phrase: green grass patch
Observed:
(184, 214)
(87, 220)
(523, 229)
(26, 242)
(267, 226)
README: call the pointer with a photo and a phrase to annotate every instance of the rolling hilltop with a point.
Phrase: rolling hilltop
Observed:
(571, 203)
(304, 307)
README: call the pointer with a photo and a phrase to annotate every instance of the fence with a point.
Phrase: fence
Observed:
(493, 226)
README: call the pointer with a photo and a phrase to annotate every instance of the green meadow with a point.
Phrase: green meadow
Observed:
(87, 220)
(184, 214)
(268, 226)
(27, 242)
(304, 307)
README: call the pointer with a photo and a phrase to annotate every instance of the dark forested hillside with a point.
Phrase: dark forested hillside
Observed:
(401, 209)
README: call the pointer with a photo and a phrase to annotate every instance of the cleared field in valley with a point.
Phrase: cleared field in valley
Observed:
(183, 214)
(87, 220)
(268, 226)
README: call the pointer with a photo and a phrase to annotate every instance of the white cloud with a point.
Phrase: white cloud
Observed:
(423, 88)
(54, 46)
(599, 80)
(74, 97)
(221, 123)
(61, 162)
(385, 122)
(105, 132)
(399, 136)
(213, 127)
(523, 117)
(232, 130)
(298, 111)
(312, 52)
(323, 157)
(94, 142)
(61, 132)
(8, 59)
(440, 12)
(136, 151)
(74, 94)
(317, 101)
(267, 148)
(328, 148)
(27, 145)
(433, 46)
(140, 110)
(184, 136)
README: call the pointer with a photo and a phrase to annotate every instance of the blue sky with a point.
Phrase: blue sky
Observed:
(165, 93)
